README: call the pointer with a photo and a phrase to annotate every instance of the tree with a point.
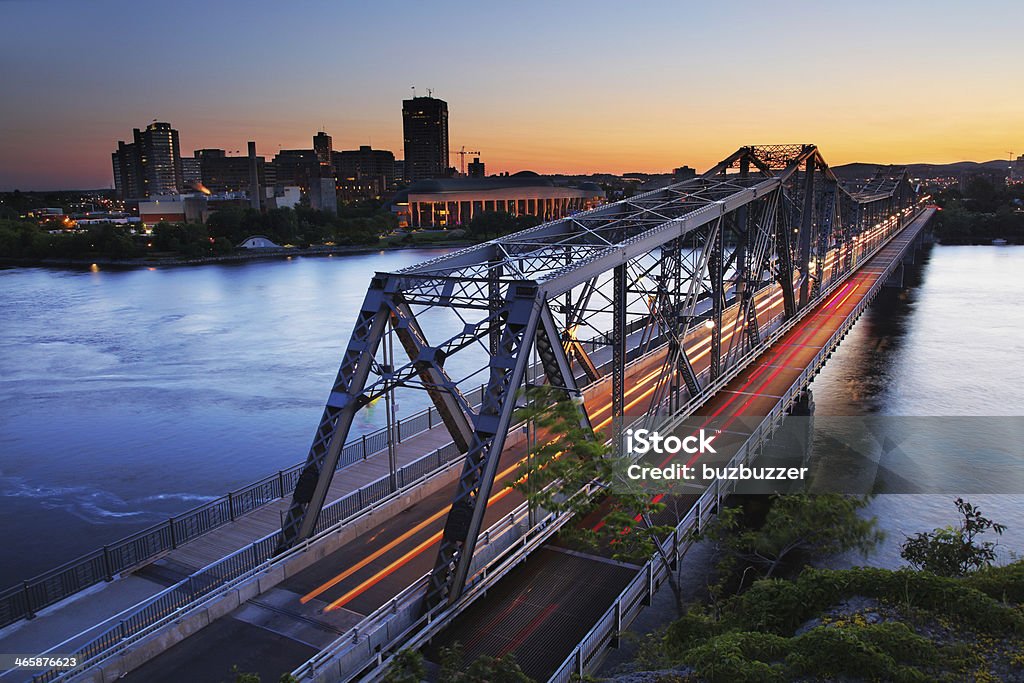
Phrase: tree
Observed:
(406, 667)
(564, 459)
(484, 669)
(227, 222)
(815, 524)
(953, 551)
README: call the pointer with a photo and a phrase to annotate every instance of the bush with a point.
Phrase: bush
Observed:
(954, 551)
(781, 606)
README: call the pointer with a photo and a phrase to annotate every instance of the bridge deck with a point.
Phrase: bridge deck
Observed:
(309, 610)
(70, 624)
(81, 618)
(752, 394)
(312, 608)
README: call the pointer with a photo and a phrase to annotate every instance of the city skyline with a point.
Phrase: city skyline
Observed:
(574, 88)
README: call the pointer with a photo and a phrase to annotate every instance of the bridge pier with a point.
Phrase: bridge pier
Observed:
(895, 278)
(803, 406)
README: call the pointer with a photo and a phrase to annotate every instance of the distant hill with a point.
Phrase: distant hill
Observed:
(862, 170)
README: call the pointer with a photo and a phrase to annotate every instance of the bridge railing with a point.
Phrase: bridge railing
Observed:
(103, 564)
(75, 576)
(639, 592)
(369, 641)
(170, 604)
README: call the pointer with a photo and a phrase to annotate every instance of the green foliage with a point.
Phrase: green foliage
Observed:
(484, 669)
(754, 638)
(1004, 584)
(564, 451)
(795, 525)
(407, 667)
(565, 457)
(954, 551)
(186, 238)
(735, 657)
(244, 676)
(881, 652)
(301, 226)
(779, 606)
(957, 224)
(25, 239)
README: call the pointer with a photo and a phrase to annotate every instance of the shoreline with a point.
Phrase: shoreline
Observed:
(256, 255)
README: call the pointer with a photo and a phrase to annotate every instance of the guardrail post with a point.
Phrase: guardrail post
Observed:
(170, 527)
(618, 625)
(280, 483)
(29, 614)
(231, 506)
(430, 418)
(398, 431)
(649, 597)
(107, 567)
(364, 446)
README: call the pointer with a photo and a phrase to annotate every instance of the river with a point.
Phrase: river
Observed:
(130, 395)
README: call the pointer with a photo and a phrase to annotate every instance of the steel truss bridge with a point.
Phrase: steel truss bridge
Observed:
(643, 309)
(714, 252)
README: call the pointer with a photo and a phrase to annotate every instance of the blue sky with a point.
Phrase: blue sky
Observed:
(570, 86)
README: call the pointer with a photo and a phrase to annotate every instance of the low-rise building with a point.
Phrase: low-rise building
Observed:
(173, 209)
(452, 202)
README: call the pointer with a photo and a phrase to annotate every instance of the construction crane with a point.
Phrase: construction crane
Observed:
(462, 159)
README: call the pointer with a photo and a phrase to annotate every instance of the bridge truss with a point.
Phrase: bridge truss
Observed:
(704, 252)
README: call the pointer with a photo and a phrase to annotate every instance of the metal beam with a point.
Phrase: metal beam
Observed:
(806, 229)
(618, 340)
(506, 370)
(429, 361)
(345, 399)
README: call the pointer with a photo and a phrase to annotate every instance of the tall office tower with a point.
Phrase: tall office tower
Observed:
(127, 171)
(150, 165)
(161, 159)
(322, 147)
(425, 124)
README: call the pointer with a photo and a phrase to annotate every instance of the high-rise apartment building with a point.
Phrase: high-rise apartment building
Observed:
(322, 146)
(425, 127)
(150, 165)
(127, 171)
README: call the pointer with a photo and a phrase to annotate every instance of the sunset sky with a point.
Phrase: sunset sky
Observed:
(555, 86)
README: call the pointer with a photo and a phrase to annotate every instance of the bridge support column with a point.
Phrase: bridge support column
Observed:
(895, 278)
